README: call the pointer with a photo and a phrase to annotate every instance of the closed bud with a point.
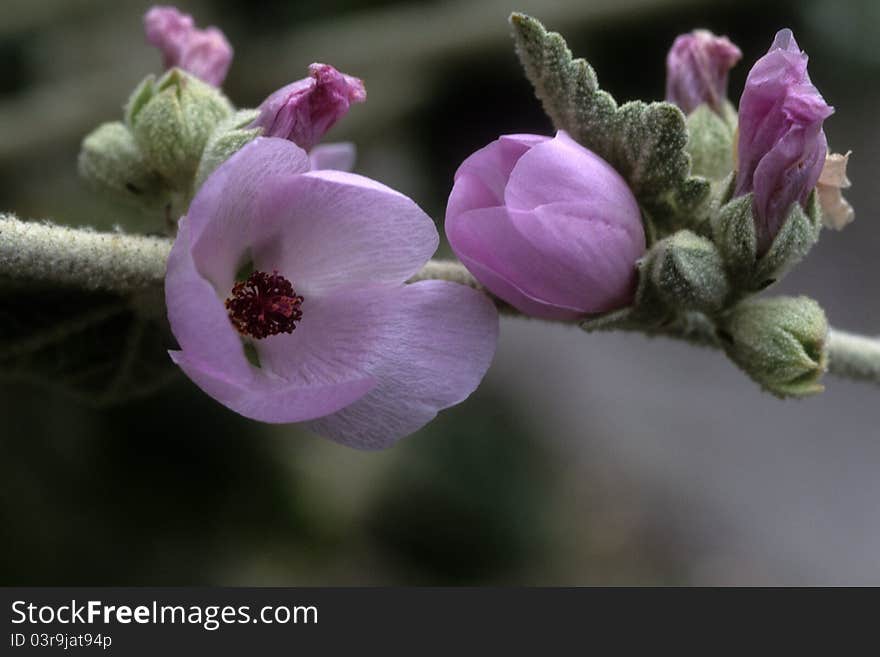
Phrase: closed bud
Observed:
(687, 273)
(710, 143)
(203, 53)
(306, 109)
(111, 161)
(779, 342)
(548, 226)
(697, 68)
(171, 121)
(230, 135)
(734, 233)
(782, 146)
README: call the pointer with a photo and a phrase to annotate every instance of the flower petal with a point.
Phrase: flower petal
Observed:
(511, 265)
(482, 177)
(330, 229)
(561, 170)
(439, 341)
(339, 156)
(222, 214)
(212, 354)
(273, 400)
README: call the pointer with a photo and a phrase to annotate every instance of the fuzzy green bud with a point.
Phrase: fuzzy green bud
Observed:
(734, 232)
(710, 141)
(111, 161)
(779, 342)
(687, 273)
(230, 135)
(172, 120)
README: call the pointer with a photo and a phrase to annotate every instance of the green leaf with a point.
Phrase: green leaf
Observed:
(102, 348)
(645, 142)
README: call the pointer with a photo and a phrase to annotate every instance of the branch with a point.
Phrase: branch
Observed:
(121, 263)
(78, 257)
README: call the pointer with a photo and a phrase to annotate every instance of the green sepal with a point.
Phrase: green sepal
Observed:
(733, 230)
(230, 135)
(173, 126)
(645, 142)
(110, 160)
(687, 273)
(141, 95)
(710, 143)
(781, 343)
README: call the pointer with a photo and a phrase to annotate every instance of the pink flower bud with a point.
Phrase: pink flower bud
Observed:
(547, 226)
(696, 70)
(782, 146)
(204, 53)
(306, 109)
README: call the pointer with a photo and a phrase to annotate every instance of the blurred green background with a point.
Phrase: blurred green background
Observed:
(601, 459)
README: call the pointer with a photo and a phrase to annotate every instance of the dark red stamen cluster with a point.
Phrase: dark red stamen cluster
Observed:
(264, 305)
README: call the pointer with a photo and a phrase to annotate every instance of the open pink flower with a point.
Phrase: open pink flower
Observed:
(343, 344)
(204, 53)
(546, 225)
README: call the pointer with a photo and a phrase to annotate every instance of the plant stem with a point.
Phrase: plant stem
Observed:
(77, 257)
(125, 264)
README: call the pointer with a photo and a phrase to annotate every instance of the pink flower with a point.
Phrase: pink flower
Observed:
(546, 225)
(782, 146)
(697, 68)
(204, 53)
(306, 109)
(342, 343)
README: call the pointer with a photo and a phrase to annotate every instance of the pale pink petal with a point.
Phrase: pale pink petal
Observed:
(212, 354)
(339, 156)
(486, 171)
(223, 212)
(507, 263)
(329, 229)
(439, 341)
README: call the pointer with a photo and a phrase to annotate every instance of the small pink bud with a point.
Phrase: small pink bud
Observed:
(204, 53)
(696, 70)
(306, 109)
(782, 145)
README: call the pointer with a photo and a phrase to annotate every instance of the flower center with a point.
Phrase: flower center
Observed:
(264, 305)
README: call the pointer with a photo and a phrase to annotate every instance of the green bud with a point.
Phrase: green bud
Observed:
(779, 342)
(710, 142)
(687, 273)
(171, 121)
(111, 161)
(733, 231)
(230, 135)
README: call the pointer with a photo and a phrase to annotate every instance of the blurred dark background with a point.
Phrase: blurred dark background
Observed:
(600, 459)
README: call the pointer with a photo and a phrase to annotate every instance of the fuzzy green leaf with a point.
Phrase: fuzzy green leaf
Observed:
(645, 142)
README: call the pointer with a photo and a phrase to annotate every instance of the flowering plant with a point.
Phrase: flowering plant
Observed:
(296, 291)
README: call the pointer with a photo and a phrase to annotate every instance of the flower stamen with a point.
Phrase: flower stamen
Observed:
(263, 305)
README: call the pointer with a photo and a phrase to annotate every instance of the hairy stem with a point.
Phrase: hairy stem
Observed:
(77, 257)
(117, 262)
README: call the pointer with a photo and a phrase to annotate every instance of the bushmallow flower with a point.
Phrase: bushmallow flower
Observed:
(782, 146)
(306, 109)
(319, 301)
(546, 225)
(204, 53)
(697, 68)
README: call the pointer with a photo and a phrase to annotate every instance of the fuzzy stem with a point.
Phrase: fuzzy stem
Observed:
(117, 262)
(854, 356)
(113, 262)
